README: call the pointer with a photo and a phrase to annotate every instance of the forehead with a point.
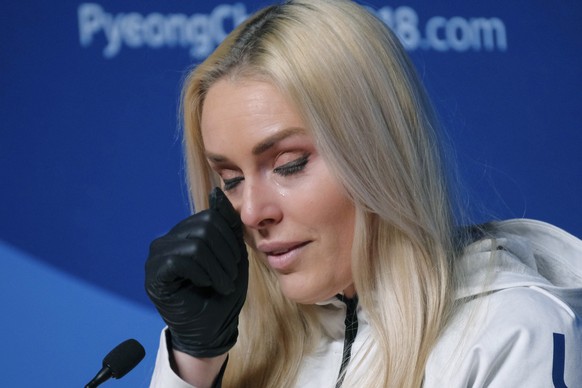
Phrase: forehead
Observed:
(245, 109)
(243, 93)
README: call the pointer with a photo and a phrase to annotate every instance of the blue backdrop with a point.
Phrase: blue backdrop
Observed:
(90, 151)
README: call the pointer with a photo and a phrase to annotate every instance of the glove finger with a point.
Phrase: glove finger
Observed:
(191, 260)
(226, 249)
(219, 202)
(210, 225)
(191, 226)
(167, 259)
(221, 280)
(213, 229)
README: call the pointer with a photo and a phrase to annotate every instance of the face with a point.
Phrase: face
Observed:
(296, 215)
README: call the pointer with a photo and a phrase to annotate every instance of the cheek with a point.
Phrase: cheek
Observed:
(343, 229)
(333, 214)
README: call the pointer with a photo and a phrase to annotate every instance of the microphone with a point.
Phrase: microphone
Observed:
(123, 358)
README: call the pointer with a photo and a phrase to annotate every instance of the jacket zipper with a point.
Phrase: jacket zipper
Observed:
(351, 323)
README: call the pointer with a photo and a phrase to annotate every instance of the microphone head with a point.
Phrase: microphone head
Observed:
(124, 357)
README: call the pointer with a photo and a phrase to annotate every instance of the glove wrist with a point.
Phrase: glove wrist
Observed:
(201, 350)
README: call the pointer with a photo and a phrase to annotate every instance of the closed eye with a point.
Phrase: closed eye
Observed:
(292, 167)
(231, 183)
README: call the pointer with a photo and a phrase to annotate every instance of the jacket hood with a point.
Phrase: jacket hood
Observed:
(523, 253)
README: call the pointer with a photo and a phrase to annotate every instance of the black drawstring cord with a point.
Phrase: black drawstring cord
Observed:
(351, 323)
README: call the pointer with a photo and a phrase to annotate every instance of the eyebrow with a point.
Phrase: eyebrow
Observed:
(270, 141)
(264, 145)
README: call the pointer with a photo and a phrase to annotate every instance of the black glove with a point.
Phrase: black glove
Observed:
(197, 277)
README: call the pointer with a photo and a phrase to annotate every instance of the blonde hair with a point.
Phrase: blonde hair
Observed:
(357, 90)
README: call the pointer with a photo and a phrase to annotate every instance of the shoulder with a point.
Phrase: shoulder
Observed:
(518, 336)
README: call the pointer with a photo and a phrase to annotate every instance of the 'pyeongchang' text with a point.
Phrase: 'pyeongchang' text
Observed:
(201, 33)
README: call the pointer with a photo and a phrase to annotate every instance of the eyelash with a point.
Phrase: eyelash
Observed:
(292, 167)
(287, 169)
(230, 184)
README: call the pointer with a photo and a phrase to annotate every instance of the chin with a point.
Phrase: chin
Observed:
(300, 292)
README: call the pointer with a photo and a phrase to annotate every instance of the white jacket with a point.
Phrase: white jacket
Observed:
(519, 324)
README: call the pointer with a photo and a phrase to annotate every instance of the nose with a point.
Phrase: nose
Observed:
(259, 207)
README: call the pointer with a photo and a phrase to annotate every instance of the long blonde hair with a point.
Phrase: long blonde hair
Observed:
(357, 90)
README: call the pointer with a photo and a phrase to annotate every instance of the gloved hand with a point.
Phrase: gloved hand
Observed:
(197, 277)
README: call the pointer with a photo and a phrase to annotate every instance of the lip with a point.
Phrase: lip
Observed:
(282, 256)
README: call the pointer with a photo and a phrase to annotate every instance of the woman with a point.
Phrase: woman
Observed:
(312, 120)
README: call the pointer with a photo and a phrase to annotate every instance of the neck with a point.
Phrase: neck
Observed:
(350, 292)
